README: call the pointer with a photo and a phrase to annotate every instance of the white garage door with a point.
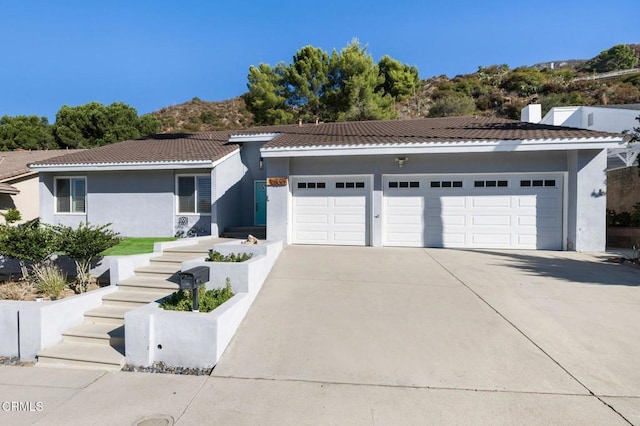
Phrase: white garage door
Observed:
(331, 210)
(474, 211)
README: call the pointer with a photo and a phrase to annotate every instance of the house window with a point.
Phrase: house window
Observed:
(312, 185)
(194, 194)
(71, 195)
(490, 183)
(408, 184)
(343, 185)
(446, 184)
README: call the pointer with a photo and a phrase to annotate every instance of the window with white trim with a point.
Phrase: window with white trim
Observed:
(194, 194)
(71, 194)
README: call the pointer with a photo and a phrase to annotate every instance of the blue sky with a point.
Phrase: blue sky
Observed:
(152, 54)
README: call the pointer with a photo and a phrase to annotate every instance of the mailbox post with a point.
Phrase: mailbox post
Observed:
(191, 279)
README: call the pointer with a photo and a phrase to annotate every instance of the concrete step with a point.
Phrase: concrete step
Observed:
(151, 284)
(242, 232)
(175, 258)
(132, 298)
(82, 355)
(157, 269)
(96, 333)
(107, 314)
(186, 252)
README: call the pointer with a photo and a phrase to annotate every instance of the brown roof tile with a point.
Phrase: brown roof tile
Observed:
(158, 148)
(420, 130)
(215, 145)
(15, 163)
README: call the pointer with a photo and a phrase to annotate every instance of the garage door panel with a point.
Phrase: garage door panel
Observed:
(491, 240)
(453, 240)
(510, 211)
(491, 220)
(348, 201)
(451, 220)
(490, 201)
(527, 221)
(312, 218)
(349, 219)
(446, 202)
(330, 210)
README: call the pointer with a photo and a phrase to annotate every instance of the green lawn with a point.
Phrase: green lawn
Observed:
(134, 246)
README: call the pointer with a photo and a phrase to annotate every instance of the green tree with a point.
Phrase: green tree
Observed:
(267, 96)
(524, 81)
(26, 132)
(452, 105)
(84, 245)
(357, 78)
(400, 80)
(29, 243)
(619, 57)
(345, 85)
(307, 78)
(11, 216)
(94, 124)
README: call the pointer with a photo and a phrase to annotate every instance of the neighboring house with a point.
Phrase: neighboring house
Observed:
(623, 181)
(446, 182)
(19, 185)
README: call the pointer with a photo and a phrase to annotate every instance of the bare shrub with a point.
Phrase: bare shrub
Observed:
(21, 290)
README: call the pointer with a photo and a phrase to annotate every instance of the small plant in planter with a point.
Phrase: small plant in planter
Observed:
(49, 280)
(208, 299)
(216, 256)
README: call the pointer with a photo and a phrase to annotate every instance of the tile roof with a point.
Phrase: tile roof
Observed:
(215, 145)
(5, 188)
(448, 129)
(15, 163)
(622, 106)
(158, 148)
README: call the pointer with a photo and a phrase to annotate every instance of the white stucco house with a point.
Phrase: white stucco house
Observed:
(623, 181)
(464, 182)
(603, 118)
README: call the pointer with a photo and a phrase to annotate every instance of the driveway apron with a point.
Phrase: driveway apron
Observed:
(447, 330)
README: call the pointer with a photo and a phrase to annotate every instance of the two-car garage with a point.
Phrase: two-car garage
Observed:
(519, 211)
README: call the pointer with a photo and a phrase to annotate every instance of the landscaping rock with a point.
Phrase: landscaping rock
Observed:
(15, 361)
(161, 367)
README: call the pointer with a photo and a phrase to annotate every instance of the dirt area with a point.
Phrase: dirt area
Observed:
(25, 290)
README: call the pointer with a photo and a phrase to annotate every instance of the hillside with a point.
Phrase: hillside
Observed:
(197, 115)
(491, 91)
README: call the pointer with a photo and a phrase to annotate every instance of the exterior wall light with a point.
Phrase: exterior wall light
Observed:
(401, 161)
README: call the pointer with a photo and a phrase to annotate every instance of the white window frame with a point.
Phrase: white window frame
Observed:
(71, 194)
(177, 195)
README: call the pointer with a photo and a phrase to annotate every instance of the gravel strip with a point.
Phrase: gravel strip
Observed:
(15, 361)
(162, 368)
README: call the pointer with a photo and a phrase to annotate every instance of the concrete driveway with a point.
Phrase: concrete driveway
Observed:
(371, 336)
(403, 336)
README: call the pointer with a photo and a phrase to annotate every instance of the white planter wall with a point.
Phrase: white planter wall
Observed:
(190, 339)
(28, 327)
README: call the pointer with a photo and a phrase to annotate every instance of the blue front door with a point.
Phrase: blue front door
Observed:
(260, 195)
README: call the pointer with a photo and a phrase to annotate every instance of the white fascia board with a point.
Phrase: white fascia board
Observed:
(446, 147)
(100, 167)
(258, 137)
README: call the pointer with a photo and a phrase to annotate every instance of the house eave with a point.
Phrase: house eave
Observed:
(470, 146)
(99, 167)
(257, 137)
(133, 166)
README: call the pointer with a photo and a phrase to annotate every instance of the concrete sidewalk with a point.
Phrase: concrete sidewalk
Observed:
(391, 336)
